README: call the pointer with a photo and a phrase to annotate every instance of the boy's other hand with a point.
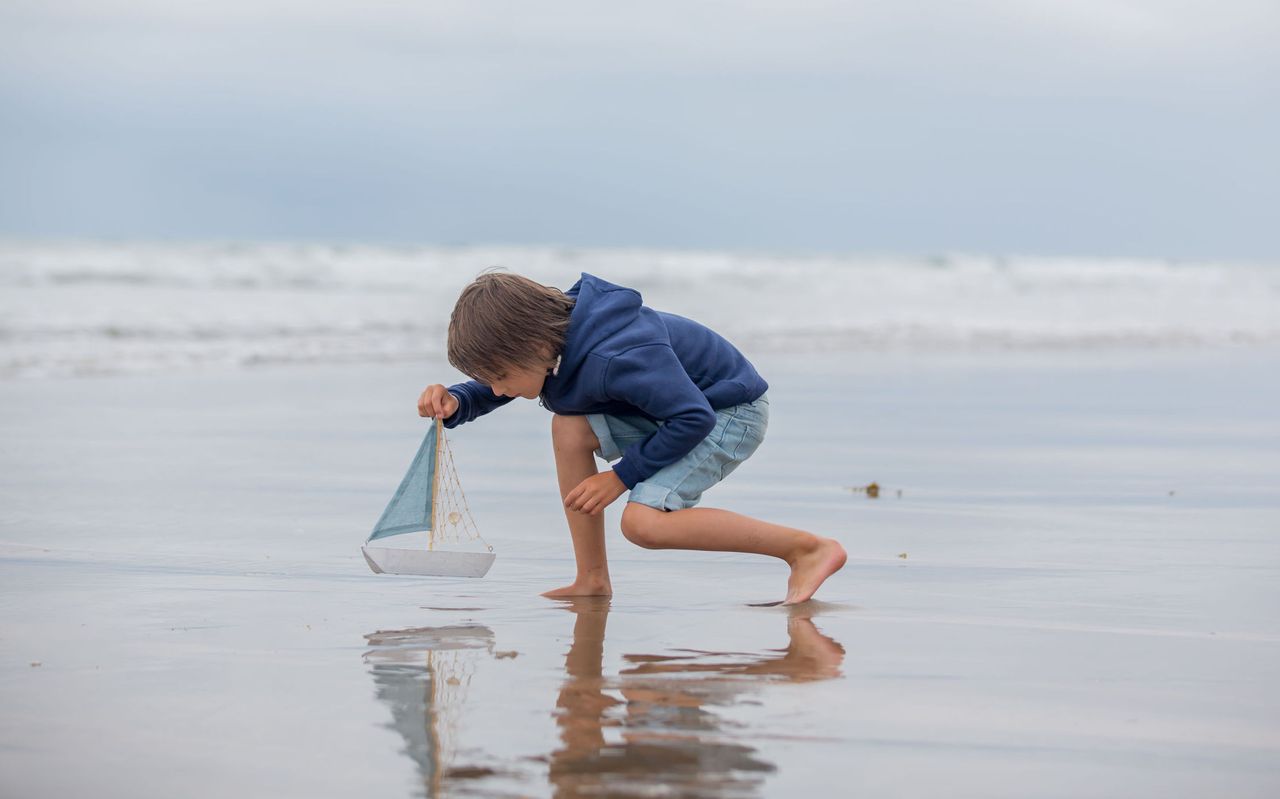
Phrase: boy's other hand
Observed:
(437, 402)
(592, 495)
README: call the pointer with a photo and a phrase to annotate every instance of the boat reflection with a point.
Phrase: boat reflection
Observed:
(424, 675)
(654, 729)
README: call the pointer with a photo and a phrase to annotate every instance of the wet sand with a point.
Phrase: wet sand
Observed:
(1088, 604)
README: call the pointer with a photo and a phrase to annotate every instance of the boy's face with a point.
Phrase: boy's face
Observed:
(520, 381)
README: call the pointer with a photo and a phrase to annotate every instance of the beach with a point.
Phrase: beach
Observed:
(1007, 270)
(1065, 586)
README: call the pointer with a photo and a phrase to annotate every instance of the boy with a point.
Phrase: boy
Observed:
(675, 404)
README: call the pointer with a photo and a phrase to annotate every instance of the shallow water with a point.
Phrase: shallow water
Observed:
(1088, 605)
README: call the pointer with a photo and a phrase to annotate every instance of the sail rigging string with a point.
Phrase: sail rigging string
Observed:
(455, 497)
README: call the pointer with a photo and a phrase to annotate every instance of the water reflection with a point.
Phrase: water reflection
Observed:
(424, 674)
(656, 727)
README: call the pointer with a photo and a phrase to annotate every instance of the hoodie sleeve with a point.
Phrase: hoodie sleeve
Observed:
(475, 399)
(651, 378)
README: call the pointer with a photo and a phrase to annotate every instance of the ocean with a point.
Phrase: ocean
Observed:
(83, 308)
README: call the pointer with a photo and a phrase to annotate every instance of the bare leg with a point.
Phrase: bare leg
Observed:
(574, 446)
(812, 559)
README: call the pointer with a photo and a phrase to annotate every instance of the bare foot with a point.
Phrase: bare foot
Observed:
(580, 588)
(812, 568)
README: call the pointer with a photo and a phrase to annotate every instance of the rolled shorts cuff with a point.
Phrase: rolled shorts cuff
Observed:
(658, 496)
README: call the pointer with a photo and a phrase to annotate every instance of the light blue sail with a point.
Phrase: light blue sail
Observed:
(409, 511)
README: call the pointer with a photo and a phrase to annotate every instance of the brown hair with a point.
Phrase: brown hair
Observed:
(502, 320)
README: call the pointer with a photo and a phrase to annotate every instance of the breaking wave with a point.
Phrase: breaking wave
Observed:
(103, 308)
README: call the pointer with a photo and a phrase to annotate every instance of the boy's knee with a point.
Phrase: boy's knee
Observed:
(573, 432)
(640, 525)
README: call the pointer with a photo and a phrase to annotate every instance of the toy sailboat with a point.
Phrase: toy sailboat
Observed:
(429, 500)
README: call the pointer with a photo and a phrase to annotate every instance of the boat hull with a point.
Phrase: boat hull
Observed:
(427, 563)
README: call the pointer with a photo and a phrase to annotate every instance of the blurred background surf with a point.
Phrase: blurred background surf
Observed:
(108, 308)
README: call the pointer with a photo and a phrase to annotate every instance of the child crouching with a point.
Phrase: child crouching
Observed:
(670, 401)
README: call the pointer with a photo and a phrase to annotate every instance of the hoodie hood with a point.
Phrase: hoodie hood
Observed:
(601, 309)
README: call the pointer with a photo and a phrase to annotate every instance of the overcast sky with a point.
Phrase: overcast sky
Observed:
(1091, 127)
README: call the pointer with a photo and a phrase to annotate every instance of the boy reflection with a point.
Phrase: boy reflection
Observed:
(652, 728)
(664, 738)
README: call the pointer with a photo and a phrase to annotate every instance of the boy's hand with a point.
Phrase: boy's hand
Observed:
(437, 402)
(592, 495)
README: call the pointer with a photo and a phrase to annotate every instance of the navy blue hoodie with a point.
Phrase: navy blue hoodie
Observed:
(624, 359)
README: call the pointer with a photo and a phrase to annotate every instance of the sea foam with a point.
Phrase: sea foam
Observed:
(105, 308)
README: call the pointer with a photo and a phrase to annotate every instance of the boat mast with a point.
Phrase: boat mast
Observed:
(435, 484)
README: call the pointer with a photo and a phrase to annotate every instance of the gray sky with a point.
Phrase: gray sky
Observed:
(1093, 127)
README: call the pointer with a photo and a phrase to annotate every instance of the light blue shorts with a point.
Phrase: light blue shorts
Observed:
(738, 432)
